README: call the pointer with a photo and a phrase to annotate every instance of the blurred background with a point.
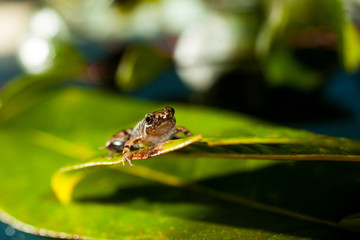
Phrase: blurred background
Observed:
(292, 62)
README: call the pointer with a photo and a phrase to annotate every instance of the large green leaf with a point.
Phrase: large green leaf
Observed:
(199, 191)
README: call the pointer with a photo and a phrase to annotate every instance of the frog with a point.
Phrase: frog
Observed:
(155, 128)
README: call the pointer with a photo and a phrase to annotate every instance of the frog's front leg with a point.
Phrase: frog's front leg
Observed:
(183, 130)
(127, 155)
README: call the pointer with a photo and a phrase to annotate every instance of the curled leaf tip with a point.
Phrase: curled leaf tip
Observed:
(63, 185)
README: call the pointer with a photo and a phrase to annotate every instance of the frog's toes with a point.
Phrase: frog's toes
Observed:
(127, 157)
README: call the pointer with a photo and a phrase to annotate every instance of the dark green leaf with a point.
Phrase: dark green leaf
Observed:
(175, 195)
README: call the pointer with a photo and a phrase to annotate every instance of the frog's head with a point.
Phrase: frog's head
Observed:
(161, 122)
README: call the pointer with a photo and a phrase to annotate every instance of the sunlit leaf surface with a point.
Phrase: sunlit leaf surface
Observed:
(199, 191)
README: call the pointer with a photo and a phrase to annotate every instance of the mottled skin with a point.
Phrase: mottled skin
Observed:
(155, 128)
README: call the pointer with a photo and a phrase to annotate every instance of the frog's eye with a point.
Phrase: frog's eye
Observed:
(148, 119)
(172, 110)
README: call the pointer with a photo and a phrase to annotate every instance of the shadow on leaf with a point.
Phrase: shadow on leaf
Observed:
(323, 190)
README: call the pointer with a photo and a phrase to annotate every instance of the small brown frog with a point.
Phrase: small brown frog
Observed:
(155, 128)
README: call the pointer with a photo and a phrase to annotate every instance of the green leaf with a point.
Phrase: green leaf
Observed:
(181, 194)
(350, 46)
(276, 19)
(351, 222)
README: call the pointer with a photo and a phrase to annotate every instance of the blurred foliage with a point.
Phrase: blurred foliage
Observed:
(267, 45)
(23, 92)
(282, 66)
(139, 65)
(270, 26)
(240, 55)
